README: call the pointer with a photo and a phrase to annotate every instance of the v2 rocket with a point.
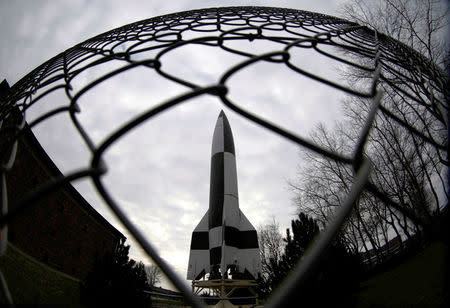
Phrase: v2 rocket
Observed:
(224, 239)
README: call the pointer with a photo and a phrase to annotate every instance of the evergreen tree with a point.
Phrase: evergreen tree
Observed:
(335, 280)
(116, 280)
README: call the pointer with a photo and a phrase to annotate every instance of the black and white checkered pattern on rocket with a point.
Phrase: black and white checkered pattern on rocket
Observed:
(224, 238)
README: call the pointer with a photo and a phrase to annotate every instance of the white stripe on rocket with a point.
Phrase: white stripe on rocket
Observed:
(215, 237)
(230, 176)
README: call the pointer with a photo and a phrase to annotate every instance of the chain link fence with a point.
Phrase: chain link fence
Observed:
(386, 66)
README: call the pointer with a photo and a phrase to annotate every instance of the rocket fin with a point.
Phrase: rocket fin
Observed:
(249, 258)
(203, 224)
(199, 253)
(245, 224)
(241, 248)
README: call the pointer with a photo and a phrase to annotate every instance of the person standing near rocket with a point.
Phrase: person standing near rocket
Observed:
(224, 239)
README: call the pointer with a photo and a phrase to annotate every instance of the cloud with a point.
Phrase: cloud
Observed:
(159, 171)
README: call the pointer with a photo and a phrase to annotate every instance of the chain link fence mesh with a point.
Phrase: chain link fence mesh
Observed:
(388, 67)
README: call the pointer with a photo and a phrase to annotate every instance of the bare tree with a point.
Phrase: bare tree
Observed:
(409, 161)
(408, 139)
(420, 24)
(153, 274)
(271, 246)
(323, 186)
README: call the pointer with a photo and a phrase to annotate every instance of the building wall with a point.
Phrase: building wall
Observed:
(61, 230)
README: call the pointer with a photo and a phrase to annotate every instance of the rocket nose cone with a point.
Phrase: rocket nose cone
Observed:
(224, 120)
(223, 137)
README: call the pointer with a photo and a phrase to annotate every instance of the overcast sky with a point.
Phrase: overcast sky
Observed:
(160, 172)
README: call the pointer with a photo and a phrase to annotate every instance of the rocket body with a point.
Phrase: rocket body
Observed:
(224, 239)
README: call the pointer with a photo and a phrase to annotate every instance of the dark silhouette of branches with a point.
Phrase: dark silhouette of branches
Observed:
(271, 247)
(153, 274)
(409, 165)
(420, 24)
(116, 280)
(338, 272)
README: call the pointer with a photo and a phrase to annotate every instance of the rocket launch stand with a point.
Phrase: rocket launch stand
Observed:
(224, 288)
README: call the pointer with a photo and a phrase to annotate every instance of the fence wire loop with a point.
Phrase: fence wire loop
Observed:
(388, 64)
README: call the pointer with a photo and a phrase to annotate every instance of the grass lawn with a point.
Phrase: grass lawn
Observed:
(421, 281)
(31, 282)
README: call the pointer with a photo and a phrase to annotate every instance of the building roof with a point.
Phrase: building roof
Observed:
(28, 137)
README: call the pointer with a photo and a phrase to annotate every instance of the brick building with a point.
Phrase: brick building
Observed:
(61, 230)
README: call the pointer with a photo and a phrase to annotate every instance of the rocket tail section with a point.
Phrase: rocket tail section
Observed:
(224, 246)
(241, 247)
